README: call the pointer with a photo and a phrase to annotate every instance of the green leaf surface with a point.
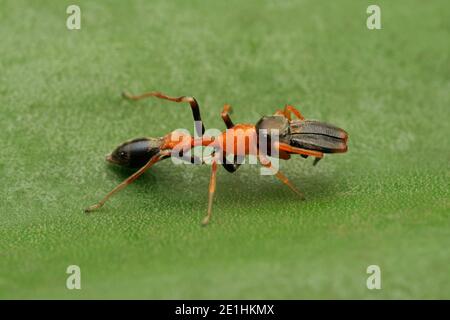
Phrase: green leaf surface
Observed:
(385, 202)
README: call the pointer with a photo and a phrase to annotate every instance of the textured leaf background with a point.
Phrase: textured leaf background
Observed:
(385, 202)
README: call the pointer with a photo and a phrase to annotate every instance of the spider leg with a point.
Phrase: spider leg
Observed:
(288, 109)
(126, 182)
(191, 100)
(230, 167)
(226, 116)
(211, 191)
(301, 151)
(266, 163)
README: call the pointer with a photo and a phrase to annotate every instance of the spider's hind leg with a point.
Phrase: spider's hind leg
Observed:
(191, 100)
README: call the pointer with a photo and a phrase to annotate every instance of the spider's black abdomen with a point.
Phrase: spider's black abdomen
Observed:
(135, 153)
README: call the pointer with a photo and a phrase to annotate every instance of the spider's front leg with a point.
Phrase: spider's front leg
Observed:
(286, 112)
(280, 176)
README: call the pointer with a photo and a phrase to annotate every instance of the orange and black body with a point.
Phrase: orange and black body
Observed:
(294, 136)
(305, 134)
